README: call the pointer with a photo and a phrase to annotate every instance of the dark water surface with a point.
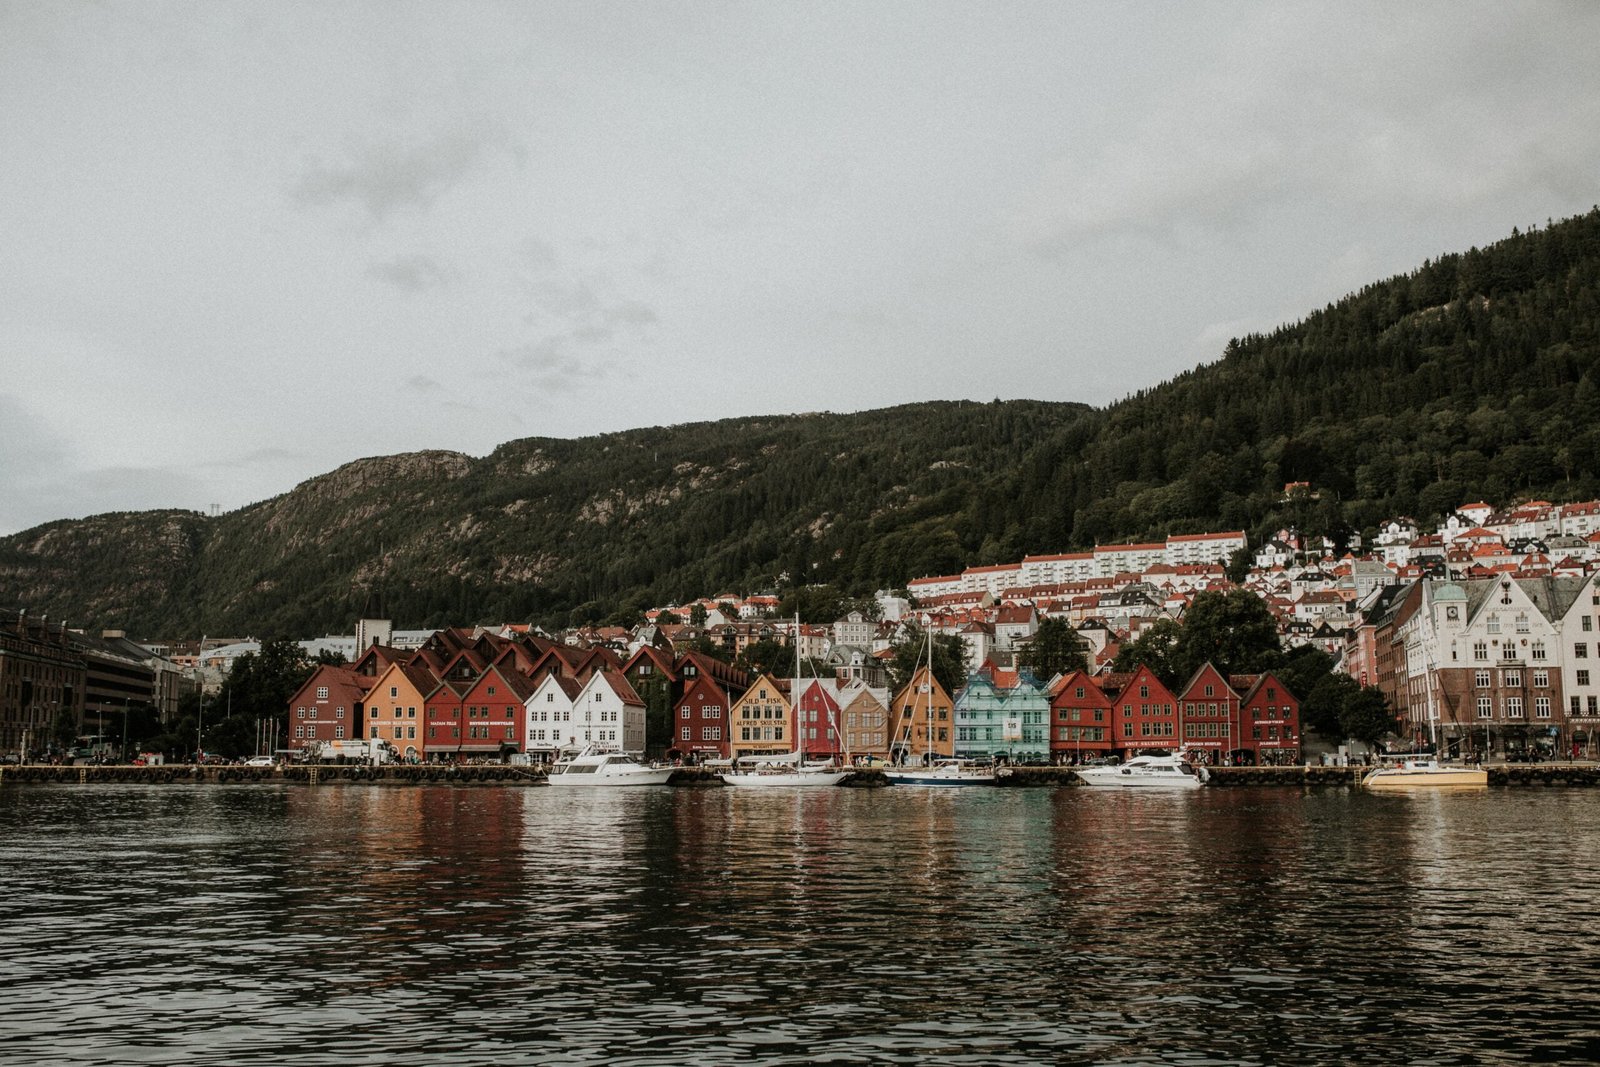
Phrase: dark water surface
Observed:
(362, 925)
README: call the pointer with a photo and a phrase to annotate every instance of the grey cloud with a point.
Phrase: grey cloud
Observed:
(538, 253)
(628, 313)
(552, 365)
(386, 175)
(591, 318)
(412, 273)
(259, 458)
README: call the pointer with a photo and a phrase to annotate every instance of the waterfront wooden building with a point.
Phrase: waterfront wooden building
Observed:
(1080, 719)
(1212, 727)
(864, 716)
(1146, 715)
(921, 720)
(760, 719)
(397, 707)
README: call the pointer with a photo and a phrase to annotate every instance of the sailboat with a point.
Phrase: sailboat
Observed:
(790, 769)
(938, 771)
(1422, 771)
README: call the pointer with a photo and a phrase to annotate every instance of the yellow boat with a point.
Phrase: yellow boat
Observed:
(1425, 774)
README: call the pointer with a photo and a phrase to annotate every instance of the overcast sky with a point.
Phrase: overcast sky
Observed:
(244, 243)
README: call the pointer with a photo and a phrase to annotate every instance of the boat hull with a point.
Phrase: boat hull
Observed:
(784, 779)
(935, 778)
(609, 781)
(1427, 778)
(1116, 780)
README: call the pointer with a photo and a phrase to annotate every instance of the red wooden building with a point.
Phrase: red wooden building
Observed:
(1081, 720)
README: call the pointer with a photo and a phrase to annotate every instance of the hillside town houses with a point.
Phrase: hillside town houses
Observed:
(1483, 634)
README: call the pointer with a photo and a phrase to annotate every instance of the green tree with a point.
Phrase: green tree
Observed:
(1159, 648)
(766, 656)
(654, 690)
(1055, 649)
(1235, 631)
(1322, 708)
(1366, 716)
(911, 652)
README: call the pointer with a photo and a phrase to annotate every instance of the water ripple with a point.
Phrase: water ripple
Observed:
(269, 924)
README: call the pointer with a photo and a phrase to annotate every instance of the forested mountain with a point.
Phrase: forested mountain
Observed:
(1472, 377)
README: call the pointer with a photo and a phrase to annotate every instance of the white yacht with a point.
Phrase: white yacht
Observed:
(1146, 772)
(592, 768)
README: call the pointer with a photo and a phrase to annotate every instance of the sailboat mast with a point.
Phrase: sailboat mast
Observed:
(928, 758)
(799, 731)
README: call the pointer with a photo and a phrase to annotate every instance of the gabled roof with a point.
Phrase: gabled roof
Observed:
(618, 683)
(1182, 692)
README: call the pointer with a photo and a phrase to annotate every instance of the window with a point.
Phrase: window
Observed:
(1541, 679)
(1485, 707)
(338, 713)
(1513, 707)
(374, 733)
(300, 730)
(1583, 677)
(372, 713)
(1580, 651)
(1538, 650)
(1522, 624)
(1511, 679)
(394, 691)
(1493, 625)
(1541, 707)
(1480, 679)
(686, 733)
(491, 690)
(322, 692)
(1586, 624)
(1591, 704)
(683, 713)
(1480, 650)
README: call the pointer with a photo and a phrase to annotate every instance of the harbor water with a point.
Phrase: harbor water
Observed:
(350, 924)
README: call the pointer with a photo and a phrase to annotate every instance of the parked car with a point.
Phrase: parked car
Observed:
(259, 761)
